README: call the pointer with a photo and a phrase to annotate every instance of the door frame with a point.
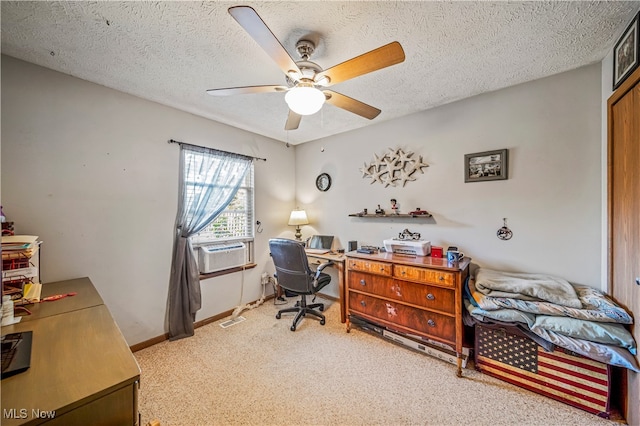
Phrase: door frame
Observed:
(622, 90)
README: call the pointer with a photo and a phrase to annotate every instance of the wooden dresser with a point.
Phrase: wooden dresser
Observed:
(416, 295)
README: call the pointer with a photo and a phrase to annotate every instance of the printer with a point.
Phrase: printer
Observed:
(411, 247)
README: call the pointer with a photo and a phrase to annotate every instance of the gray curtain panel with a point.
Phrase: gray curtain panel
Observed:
(209, 179)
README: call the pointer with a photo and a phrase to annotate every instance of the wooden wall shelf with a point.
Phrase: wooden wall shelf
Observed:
(392, 216)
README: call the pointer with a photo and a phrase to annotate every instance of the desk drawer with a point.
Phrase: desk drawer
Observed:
(379, 268)
(391, 313)
(424, 275)
(430, 297)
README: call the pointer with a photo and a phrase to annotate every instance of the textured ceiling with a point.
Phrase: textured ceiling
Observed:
(172, 52)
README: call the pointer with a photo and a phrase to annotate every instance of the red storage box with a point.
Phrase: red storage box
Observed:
(436, 251)
(508, 354)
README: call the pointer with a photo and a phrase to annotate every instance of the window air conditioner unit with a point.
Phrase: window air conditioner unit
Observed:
(216, 257)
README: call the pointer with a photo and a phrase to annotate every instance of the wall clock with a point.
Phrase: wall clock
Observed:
(323, 182)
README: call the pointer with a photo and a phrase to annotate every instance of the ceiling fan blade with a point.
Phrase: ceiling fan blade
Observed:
(246, 90)
(249, 19)
(351, 105)
(293, 121)
(382, 57)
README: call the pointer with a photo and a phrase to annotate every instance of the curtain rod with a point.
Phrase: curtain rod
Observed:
(214, 149)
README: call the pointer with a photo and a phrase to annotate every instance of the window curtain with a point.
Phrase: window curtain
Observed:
(209, 180)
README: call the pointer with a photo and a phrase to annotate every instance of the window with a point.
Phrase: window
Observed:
(236, 220)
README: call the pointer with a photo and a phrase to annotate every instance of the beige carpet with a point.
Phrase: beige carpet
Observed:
(258, 372)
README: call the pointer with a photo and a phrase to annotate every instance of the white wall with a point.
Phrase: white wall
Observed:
(89, 170)
(552, 199)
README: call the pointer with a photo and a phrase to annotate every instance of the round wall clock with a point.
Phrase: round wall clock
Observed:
(323, 182)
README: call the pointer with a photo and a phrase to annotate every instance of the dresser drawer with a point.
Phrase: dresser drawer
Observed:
(430, 297)
(424, 275)
(391, 313)
(370, 283)
(379, 268)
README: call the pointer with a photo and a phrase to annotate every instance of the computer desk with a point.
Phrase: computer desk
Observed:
(338, 260)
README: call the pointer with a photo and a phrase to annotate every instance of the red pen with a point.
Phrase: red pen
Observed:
(56, 297)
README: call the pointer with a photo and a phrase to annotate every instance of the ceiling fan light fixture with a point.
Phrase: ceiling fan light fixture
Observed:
(304, 99)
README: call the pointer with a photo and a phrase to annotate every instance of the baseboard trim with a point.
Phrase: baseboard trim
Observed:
(326, 296)
(158, 339)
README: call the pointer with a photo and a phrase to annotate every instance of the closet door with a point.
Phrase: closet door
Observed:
(624, 215)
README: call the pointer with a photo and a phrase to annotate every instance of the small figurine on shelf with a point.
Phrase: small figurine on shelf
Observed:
(379, 210)
(418, 212)
(394, 206)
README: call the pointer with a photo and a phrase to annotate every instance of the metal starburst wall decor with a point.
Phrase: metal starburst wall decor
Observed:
(393, 168)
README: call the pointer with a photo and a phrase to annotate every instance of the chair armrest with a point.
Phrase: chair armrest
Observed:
(319, 271)
(322, 266)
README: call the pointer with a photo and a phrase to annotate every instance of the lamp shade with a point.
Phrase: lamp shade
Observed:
(298, 217)
(304, 99)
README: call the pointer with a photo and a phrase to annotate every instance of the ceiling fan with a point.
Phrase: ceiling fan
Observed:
(306, 82)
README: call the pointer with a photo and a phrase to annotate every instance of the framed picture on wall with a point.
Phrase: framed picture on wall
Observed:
(625, 53)
(488, 165)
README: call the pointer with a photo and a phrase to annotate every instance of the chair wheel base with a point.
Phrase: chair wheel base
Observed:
(302, 310)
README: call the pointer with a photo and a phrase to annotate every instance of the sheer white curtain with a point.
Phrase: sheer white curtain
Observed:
(209, 179)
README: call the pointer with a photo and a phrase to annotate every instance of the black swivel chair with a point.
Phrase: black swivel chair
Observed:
(294, 274)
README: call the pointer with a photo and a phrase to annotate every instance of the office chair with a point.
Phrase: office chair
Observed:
(294, 274)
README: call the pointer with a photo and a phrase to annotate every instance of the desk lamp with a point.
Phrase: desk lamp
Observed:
(298, 217)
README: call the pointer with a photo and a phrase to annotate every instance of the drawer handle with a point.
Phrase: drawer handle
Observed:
(363, 303)
(431, 296)
(431, 323)
(441, 278)
(363, 282)
(382, 269)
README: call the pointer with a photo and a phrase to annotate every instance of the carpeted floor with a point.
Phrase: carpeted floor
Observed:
(258, 372)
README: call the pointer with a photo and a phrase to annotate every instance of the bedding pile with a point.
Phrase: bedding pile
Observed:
(553, 311)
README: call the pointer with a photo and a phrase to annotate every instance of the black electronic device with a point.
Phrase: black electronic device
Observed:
(353, 245)
(321, 242)
(16, 353)
(365, 250)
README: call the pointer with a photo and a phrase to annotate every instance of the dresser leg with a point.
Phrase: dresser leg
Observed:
(459, 372)
(348, 325)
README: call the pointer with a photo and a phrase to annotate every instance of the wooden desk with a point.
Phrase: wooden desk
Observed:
(338, 263)
(81, 367)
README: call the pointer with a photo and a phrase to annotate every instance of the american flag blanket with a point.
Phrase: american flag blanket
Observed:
(507, 354)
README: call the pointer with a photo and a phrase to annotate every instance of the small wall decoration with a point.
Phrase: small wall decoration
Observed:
(393, 168)
(488, 165)
(625, 53)
(323, 182)
(504, 233)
